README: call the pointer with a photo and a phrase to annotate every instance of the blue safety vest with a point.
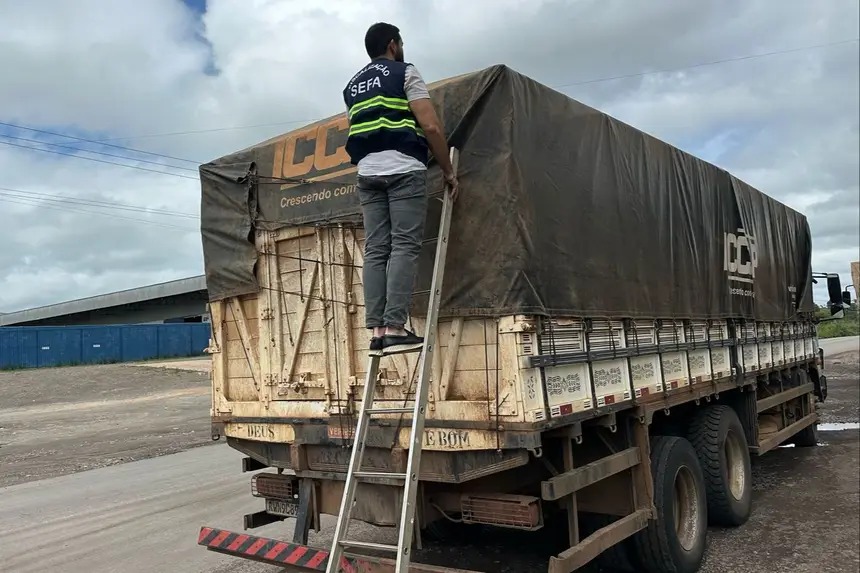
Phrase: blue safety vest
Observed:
(379, 114)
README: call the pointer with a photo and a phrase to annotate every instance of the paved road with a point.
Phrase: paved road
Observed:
(137, 517)
(841, 345)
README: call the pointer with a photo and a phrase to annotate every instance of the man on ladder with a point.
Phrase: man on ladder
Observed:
(391, 125)
(392, 122)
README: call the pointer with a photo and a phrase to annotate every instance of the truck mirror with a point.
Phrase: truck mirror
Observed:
(846, 297)
(834, 290)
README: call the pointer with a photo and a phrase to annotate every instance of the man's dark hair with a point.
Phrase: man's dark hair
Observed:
(378, 37)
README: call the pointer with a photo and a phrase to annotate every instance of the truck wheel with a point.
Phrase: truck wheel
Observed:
(675, 542)
(720, 442)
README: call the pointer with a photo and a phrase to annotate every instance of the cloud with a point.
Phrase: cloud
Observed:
(98, 69)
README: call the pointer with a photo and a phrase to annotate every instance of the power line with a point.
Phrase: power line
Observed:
(711, 63)
(577, 83)
(43, 131)
(64, 199)
(96, 152)
(97, 160)
(216, 129)
(72, 201)
(35, 203)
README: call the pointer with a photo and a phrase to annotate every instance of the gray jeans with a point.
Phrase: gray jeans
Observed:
(394, 209)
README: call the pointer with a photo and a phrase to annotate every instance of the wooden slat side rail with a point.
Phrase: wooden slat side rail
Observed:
(245, 337)
(643, 481)
(782, 397)
(598, 542)
(776, 439)
(579, 478)
(290, 363)
(450, 363)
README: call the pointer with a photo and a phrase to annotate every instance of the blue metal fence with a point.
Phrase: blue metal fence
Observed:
(40, 346)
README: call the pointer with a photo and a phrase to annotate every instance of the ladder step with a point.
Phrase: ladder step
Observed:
(369, 545)
(403, 350)
(372, 411)
(377, 475)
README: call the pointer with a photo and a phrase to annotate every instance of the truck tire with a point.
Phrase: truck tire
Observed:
(675, 542)
(720, 442)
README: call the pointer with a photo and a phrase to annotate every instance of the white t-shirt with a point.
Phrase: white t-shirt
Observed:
(391, 162)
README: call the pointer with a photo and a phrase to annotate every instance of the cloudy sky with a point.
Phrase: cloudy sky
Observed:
(196, 79)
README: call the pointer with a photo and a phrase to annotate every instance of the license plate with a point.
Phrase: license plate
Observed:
(282, 507)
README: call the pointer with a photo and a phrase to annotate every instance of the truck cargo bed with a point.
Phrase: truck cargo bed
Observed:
(296, 353)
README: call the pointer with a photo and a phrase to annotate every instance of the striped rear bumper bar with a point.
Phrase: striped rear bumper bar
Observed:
(299, 558)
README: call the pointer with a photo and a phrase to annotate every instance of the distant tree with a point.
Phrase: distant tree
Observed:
(847, 326)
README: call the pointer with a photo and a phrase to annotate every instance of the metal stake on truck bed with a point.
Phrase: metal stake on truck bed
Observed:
(406, 525)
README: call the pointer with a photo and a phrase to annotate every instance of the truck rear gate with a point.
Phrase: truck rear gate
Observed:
(296, 558)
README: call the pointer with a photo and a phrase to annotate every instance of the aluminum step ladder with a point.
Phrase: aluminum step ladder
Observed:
(406, 525)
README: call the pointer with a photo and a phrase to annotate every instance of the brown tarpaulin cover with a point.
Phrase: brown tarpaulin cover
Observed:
(563, 211)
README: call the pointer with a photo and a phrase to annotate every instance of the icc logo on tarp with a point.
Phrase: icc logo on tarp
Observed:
(740, 259)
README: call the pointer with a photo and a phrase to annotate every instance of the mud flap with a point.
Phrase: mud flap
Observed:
(217, 431)
(820, 383)
(307, 512)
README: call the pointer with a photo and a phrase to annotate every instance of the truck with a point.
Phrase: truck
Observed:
(622, 326)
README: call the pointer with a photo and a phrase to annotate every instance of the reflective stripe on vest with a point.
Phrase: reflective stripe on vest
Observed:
(385, 123)
(400, 104)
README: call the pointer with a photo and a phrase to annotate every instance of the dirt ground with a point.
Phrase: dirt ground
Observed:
(56, 421)
(201, 364)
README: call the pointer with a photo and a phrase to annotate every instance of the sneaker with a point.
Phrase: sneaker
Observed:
(376, 345)
(398, 344)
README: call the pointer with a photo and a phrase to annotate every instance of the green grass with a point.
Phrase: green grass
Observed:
(848, 326)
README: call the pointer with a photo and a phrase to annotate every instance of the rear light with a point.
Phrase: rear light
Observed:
(277, 486)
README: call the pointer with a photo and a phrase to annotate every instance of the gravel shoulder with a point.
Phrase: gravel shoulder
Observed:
(56, 421)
